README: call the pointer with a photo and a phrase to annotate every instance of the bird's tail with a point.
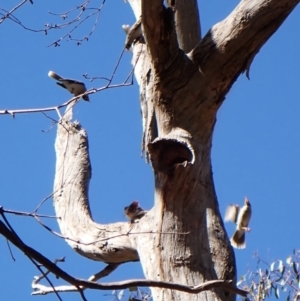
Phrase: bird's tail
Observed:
(140, 214)
(54, 75)
(238, 239)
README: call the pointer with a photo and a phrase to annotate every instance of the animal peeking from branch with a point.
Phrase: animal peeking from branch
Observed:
(134, 211)
(75, 87)
(241, 217)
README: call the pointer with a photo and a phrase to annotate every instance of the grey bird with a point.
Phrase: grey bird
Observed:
(241, 217)
(75, 87)
(133, 33)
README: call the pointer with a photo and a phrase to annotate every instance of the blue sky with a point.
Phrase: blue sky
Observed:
(255, 147)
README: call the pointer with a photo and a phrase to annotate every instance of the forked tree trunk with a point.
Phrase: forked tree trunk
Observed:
(183, 81)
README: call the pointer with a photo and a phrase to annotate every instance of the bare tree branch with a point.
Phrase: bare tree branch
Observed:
(231, 45)
(159, 31)
(40, 289)
(23, 213)
(7, 15)
(187, 22)
(32, 253)
(22, 247)
(36, 217)
(78, 20)
(73, 99)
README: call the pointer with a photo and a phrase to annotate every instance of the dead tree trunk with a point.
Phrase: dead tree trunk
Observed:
(183, 81)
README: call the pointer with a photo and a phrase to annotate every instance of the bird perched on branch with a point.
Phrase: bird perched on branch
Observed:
(241, 217)
(73, 86)
(134, 211)
(133, 33)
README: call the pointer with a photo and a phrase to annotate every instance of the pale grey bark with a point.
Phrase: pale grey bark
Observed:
(229, 47)
(182, 239)
(108, 243)
(183, 93)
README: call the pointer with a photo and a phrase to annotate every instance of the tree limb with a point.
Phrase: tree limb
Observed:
(187, 23)
(113, 285)
(73, 172)
(159, 31)
(230, 46)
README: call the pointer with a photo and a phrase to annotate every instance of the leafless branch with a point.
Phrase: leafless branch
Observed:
(105, 272)
(54, 121)
(43, 201)
(18, 22)
(40, 289)
(56, 108)
(39, 110)
(36, 217)
(26, 213)
(136, 233)
(77, 20)
(109, 80)
(23, 248)
(10, 251)
(8, 13)
(35, 255)
(83, 8)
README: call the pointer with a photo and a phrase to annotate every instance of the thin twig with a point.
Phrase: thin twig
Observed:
(10, 251)
(43, 201)
(12, 10)
(39, 289)
(22, 213)
(80, 20)
(24, 248)
(116, 67)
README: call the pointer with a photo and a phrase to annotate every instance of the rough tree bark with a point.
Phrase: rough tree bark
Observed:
(183, 81)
